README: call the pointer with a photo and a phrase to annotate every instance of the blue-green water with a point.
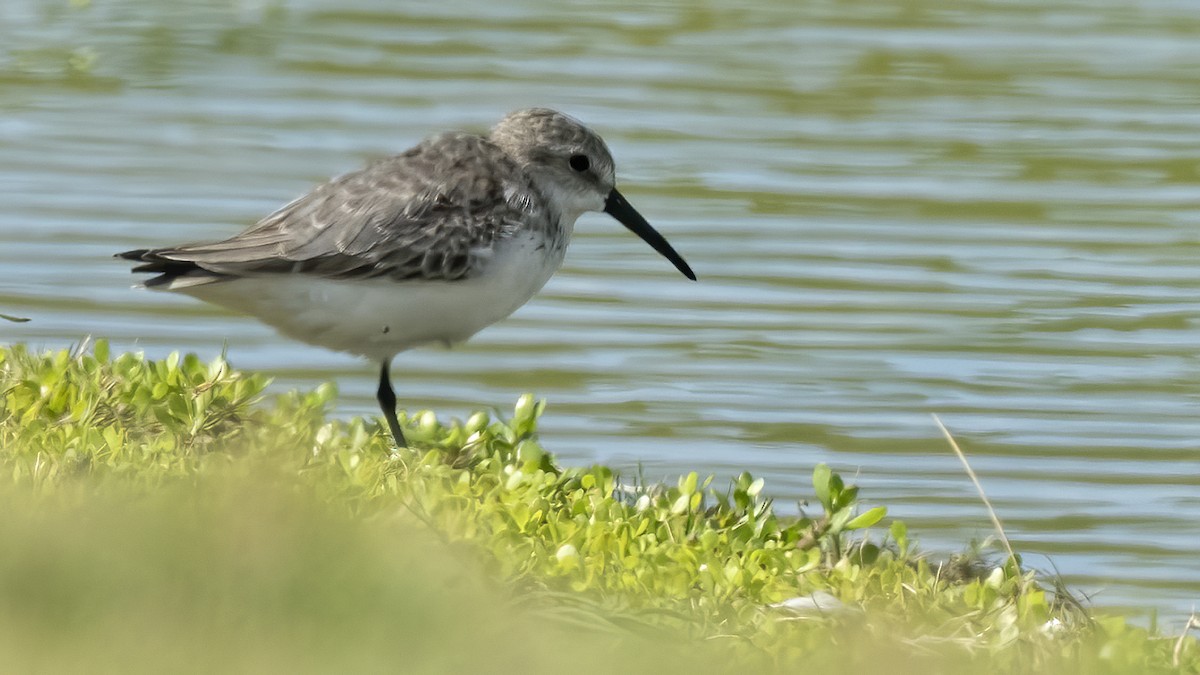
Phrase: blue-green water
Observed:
(987, 210)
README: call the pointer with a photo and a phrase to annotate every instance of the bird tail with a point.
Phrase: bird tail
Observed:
(172, 274)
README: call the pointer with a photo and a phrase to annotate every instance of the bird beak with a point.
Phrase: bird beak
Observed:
(618, 207)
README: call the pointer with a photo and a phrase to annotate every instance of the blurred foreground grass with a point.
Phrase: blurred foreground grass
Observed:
(159, 517)
(242, 575)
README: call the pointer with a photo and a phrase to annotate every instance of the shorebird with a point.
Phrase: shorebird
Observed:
(428, 246)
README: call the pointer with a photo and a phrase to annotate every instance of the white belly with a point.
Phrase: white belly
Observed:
(378, 318)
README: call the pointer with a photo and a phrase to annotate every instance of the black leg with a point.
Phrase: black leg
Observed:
(387, 401)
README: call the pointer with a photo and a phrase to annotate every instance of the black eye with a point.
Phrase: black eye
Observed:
(580, 163)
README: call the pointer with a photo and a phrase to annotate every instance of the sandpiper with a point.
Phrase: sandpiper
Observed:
(428, 246)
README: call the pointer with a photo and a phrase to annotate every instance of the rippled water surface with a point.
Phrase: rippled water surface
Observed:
(987, 210)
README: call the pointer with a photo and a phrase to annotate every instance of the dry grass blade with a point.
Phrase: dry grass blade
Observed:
(978, 487)
(1192, 622)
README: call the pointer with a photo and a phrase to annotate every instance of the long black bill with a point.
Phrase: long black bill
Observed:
(620, 208)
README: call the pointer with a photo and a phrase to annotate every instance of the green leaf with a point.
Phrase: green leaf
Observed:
(837, 522)
(756, 487)
(822, 476)
(867, 518)
(687, 484)
(899, 532)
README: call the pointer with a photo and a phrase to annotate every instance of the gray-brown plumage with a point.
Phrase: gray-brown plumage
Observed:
(430, 213)
(430, 245)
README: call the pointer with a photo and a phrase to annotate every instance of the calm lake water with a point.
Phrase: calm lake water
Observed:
(985, 210)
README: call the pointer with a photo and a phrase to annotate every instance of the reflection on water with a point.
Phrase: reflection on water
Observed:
(988, 211)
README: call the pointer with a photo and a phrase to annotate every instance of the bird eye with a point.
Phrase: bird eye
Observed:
(580, 163)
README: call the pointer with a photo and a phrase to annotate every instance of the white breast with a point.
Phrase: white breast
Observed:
(378, 318)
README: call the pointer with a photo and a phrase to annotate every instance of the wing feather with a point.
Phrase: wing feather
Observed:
(434, 212)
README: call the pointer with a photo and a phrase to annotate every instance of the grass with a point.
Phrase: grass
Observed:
(167, 516)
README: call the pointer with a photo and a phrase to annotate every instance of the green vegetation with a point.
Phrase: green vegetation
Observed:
(160, 516)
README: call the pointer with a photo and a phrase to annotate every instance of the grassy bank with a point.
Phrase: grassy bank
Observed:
(166, 516)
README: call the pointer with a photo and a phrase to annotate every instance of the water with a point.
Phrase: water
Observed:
(988, 211)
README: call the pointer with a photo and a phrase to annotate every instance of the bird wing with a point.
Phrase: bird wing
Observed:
(434, 212)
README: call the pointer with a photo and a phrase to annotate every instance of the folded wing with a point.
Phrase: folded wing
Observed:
(434, 212)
